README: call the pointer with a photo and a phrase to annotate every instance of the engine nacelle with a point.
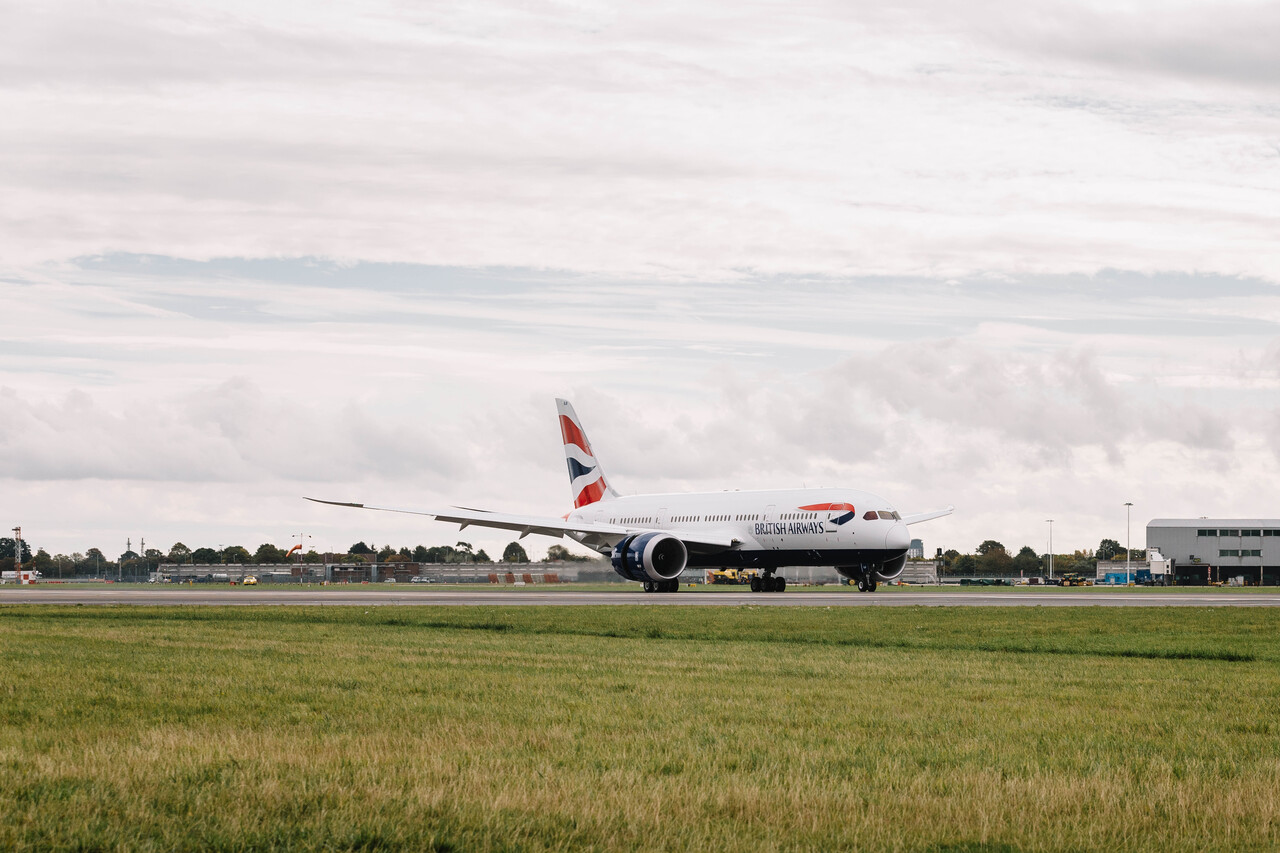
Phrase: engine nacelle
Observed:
(881, 570)
(650, 557)
(891, 568)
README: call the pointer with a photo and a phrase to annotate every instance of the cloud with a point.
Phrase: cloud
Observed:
(656, 142)
(231, 432)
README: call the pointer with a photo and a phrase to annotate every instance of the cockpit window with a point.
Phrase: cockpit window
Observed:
(870, 516)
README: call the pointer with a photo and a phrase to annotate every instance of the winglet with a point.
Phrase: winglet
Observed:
(927, 516)
(334, 503)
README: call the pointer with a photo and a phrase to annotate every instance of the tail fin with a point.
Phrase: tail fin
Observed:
(586, 477)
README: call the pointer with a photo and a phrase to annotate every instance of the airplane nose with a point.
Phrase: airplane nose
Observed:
(898, 538)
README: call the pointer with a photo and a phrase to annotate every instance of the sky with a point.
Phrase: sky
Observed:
(1023, 259)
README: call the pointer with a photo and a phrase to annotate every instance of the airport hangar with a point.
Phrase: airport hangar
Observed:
(1207, 550)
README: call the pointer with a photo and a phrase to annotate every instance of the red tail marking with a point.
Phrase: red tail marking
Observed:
(573, 435)
(590, 494)
(826, 507)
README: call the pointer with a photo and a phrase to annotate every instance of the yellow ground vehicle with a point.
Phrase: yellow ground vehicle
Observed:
(732, 576)
(1075, 579)
(250, 580)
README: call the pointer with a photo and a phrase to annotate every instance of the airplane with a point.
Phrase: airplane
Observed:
(653, 539)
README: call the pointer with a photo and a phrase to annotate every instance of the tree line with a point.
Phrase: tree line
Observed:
(991, 558)
(94, 563)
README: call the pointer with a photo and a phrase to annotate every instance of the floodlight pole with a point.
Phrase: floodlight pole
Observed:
(1050, 520)
(1128, 577)
(17, 555)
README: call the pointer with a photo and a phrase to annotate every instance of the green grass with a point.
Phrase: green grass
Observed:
(606, 728)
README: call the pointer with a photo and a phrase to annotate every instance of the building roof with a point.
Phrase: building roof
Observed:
(1197, 523)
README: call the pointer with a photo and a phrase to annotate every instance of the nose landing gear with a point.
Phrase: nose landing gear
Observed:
(865, 579)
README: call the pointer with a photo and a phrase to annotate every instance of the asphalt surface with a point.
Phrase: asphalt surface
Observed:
(566, 596)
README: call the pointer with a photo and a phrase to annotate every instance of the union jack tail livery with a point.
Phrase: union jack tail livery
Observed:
(586, 477)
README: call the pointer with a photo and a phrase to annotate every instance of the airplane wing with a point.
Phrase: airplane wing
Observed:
(927, 516)
(604, 534)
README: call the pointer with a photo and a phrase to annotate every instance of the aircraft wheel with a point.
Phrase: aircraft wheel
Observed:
(782, 585)
(755, 584)
(672, 585)
(862, 584)
(871, 585)
(648, 586)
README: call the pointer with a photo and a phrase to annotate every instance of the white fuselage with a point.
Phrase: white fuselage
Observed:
(854, 531)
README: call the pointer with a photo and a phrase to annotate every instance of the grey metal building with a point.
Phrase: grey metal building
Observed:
(1205, 550)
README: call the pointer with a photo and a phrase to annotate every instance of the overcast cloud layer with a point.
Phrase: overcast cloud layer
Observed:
(1019, 258)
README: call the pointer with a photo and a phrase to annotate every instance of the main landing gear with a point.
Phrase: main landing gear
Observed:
(768, 583)
(672, 585)
(867, 583)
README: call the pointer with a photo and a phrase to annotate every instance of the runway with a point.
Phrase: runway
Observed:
(339, 596)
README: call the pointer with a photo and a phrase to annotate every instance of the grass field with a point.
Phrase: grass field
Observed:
(611, 728)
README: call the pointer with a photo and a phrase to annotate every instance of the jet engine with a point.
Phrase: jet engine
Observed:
(650, 557)
(879, 570)
(891, 568)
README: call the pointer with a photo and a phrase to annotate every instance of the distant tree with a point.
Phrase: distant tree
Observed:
(965, 564)
(995, 562)
(988, 546)
(1109, 549)
(1082, 562)
(204, 555)
(7, 548)
(93, 562)
(312, 557)
(559, 553)
(514, 553)
(406, 553)
(268, 553)
(151, 560)
(421, 554)
(179, 553)
(395, 558)
(1027, 562)
(360, 548)
(236, 554)
(465, 547)
(438, 554)
(482, 557)
(42, 562)
(384, 552)
(949, 558)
